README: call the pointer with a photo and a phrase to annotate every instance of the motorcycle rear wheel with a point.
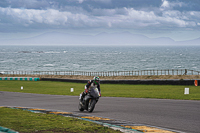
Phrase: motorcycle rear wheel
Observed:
(91, 105)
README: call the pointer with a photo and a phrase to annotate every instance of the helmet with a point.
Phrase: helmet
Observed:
(96, 80)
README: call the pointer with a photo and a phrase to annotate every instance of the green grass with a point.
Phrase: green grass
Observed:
(153, 91)
(107, 90)
(26, 122)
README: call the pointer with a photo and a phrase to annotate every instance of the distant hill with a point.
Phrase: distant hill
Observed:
(190, 42)
(123, 38)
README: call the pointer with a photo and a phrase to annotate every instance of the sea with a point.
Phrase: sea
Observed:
(98, 58)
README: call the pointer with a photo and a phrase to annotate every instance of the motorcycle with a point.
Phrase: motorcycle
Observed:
(89, 101)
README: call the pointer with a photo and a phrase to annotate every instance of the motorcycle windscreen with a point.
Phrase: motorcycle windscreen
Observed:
(94, 92)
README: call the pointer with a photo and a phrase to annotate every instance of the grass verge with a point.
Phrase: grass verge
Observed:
(108, 90)
(28, 122)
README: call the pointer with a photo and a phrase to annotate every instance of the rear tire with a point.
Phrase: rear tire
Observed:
(91, 105)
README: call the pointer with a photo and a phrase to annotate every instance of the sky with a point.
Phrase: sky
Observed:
(177, 19)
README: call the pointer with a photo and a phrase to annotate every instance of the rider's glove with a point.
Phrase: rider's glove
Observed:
(86, 90)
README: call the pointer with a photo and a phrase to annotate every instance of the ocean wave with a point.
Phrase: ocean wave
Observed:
(48, 65)
(51, 52)
(30, 52)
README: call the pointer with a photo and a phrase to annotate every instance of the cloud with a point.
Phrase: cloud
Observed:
(101, 1)
(166, 5)
(80, 15)
(31, 16)
(80, 1)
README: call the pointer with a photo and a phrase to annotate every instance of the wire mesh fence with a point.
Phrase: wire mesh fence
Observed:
(108, 73)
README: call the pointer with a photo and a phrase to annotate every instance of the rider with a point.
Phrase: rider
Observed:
(91, 83)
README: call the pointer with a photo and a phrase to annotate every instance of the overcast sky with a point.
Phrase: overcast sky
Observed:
(178, 19)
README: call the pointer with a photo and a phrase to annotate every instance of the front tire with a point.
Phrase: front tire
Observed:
(91, 105)
(80, 107)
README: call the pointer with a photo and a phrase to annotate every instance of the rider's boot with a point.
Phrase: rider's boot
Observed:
(82, 96)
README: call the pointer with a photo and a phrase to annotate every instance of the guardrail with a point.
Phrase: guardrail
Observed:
(108, 73)
(20, 78)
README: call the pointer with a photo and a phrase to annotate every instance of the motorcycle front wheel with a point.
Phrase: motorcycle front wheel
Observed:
(91, 105)
(80, 107)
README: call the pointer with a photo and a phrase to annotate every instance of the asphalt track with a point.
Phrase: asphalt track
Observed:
(179, 115)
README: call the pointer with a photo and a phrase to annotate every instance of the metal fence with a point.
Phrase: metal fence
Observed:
(108, 73)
